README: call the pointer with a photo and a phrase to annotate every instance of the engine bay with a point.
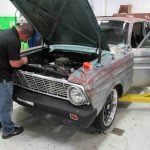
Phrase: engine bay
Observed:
(58, 63)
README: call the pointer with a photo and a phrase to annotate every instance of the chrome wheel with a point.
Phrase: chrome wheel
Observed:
(110, 108)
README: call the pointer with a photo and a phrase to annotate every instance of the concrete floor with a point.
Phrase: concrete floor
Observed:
(48, 132)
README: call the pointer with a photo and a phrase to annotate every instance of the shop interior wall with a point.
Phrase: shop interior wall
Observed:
(110, 7)
(6, 8)
(100, 7)
(138, 6)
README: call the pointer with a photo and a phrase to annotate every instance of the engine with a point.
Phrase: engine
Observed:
(63, 65)
(58, 64)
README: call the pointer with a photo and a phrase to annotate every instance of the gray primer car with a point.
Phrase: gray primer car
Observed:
(74, 74)
(127, 33)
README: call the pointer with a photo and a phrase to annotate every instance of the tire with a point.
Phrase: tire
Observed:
(106, 117)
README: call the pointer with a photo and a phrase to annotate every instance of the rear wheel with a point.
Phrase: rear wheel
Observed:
(106, 117)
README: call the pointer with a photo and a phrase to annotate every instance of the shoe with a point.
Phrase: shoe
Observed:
(18, 130)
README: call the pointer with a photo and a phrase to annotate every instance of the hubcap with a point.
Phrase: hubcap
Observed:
(110, 108)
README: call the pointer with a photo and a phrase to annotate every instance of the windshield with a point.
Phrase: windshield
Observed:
(115, 32)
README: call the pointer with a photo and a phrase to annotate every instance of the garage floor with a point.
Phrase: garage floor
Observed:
(130, 131)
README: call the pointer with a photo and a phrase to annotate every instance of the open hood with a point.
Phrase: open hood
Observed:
(63, 21)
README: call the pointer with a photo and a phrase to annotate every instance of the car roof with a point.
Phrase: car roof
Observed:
(127, 19)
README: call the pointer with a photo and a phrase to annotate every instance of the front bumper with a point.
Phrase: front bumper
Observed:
(86, 114)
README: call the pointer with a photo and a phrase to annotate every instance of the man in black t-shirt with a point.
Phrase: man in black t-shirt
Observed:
(10, 44)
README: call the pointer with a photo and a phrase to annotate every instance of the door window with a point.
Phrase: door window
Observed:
(147, 27)
(137, 34)
(146, 42)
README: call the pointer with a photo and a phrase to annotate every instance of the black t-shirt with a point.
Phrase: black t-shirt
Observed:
(9, 50)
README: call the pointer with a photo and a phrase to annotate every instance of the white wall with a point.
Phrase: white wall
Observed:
(100, 7)
(7, 8)
(138, 6)
(109, 7)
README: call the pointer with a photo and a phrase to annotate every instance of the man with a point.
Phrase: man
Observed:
(10, 58)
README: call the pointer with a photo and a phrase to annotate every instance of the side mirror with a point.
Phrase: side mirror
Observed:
(127, 48)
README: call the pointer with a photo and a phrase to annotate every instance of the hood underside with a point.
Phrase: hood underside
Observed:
(63, 21)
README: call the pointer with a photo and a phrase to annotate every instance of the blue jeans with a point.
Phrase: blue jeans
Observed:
(6, 106)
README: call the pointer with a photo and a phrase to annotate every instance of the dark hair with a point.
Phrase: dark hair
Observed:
(26, 29)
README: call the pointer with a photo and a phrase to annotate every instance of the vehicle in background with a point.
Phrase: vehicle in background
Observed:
(126, 34)
(74, 74)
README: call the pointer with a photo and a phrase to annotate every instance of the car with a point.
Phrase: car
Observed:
(73, 74)
(127, 33)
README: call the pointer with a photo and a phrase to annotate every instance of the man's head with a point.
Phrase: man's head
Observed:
(25, 31)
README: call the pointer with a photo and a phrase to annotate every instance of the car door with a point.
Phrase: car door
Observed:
(141, 69)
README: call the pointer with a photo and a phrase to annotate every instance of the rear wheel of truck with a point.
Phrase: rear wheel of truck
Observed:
(106, 117)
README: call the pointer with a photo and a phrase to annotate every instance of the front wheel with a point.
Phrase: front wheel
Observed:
(106, 117)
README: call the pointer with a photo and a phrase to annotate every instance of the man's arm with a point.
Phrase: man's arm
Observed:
(18, 63)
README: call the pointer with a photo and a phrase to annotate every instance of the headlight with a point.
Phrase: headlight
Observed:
(76, 96)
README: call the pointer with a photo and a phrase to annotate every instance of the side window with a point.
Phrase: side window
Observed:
(137, 34)
(147, 27)
(146, 42)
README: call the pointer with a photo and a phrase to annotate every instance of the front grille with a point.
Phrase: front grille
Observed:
(41, 84)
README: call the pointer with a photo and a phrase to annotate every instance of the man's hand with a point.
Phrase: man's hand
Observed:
(18, 63)
(24, 60)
